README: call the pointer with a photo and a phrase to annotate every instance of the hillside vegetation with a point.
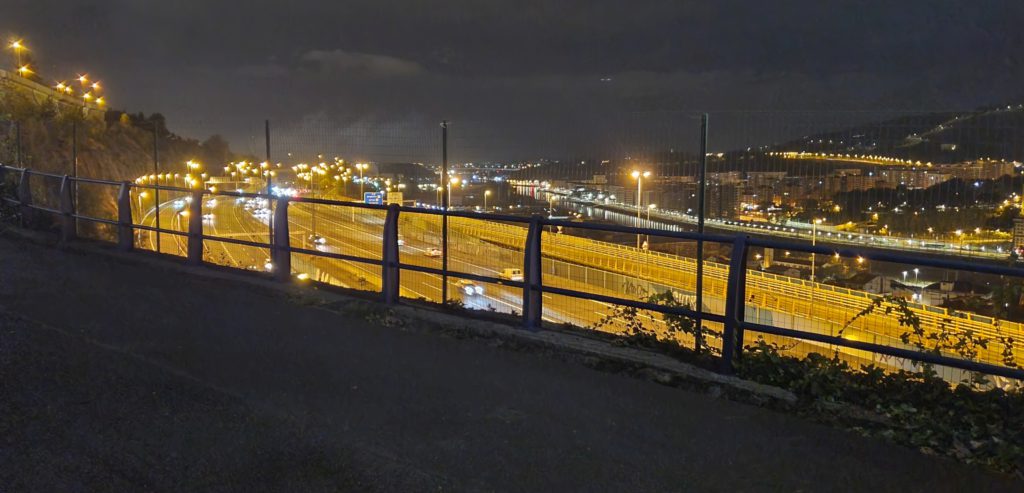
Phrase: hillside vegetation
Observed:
(111, 145)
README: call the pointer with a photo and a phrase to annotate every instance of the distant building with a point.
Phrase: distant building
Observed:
(941, 292)
(1018, 235)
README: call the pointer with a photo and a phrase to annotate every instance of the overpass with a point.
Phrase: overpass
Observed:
(936, 248)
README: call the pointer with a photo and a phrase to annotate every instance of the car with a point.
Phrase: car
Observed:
(511, 274)
(317, 240)
(432, 252)
(469, 287)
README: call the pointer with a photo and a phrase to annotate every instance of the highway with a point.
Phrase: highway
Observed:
(486, 247)
(669, 219)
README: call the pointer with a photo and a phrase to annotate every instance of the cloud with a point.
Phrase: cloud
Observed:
(367, 64)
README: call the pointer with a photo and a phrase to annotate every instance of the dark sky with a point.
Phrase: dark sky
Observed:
(371, 79)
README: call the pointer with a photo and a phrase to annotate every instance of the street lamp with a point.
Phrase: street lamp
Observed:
(905, 277)
(814, 242)
(916, 272)
(486, 193)
(451, 184)
(639, 176)
(142, 195)
(17, 46)
(361, 167)
(650, 207)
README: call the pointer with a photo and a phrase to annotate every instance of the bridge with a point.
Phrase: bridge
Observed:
(671, 219)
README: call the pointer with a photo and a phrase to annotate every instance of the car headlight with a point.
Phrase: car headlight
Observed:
(479, 289)
(468, 289)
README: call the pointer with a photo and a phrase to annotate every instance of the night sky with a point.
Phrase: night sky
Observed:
(520, 79)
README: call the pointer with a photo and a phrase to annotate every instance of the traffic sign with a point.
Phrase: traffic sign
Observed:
(374, 198)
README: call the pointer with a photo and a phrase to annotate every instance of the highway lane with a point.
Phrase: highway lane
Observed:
(672, 220)
(362, 238)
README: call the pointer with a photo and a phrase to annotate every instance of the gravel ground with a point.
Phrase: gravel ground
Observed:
(125, 376)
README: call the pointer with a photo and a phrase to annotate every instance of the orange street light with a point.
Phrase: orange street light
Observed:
(18, 46)
(639, 177)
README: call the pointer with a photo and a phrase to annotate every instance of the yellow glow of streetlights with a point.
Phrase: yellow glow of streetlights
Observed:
(100, 101)
(83, 78)
(639, 177)
(96, 86)
(24, 70)
(17, 45)
(87, 96)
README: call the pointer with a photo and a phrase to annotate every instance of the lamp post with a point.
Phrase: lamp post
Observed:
(639, 176)
(486, 193)
(360, 167)
(17, 46)
(142, 195)
(916, 272)
(814, 242)
(451, 184)
(650, 207)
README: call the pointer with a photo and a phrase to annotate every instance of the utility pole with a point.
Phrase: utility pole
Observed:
(444, 212)
(74, 162)
(156, 191)
(702, 178)
(17, 143)
(270, 205)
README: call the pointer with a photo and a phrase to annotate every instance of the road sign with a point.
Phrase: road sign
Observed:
(375, 198)
(395, 198)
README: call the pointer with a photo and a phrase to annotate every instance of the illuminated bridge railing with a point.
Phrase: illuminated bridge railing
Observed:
(733, 287)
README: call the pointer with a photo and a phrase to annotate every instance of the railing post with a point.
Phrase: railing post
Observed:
(25, 198)
(67, 209)
(389, 267)
(195, 229)
(281, 254)
(532, 287)
(125, 230)
(735, 302)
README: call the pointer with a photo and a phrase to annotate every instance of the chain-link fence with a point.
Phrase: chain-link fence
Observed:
(943, 184)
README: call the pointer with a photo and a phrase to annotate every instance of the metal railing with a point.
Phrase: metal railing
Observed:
(280, 246)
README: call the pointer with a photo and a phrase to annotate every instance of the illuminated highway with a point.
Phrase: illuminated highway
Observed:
(485, 248)
(667, 219)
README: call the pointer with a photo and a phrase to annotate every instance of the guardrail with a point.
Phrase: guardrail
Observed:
(533, 288)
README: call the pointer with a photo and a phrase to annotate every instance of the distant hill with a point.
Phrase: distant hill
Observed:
(991, 132)
(111, 145)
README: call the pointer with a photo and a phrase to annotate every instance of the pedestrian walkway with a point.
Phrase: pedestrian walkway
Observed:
(121, 375)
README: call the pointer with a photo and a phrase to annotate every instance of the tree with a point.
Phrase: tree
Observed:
(216, 151)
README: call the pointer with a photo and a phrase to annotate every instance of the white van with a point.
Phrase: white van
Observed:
(511, 274)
